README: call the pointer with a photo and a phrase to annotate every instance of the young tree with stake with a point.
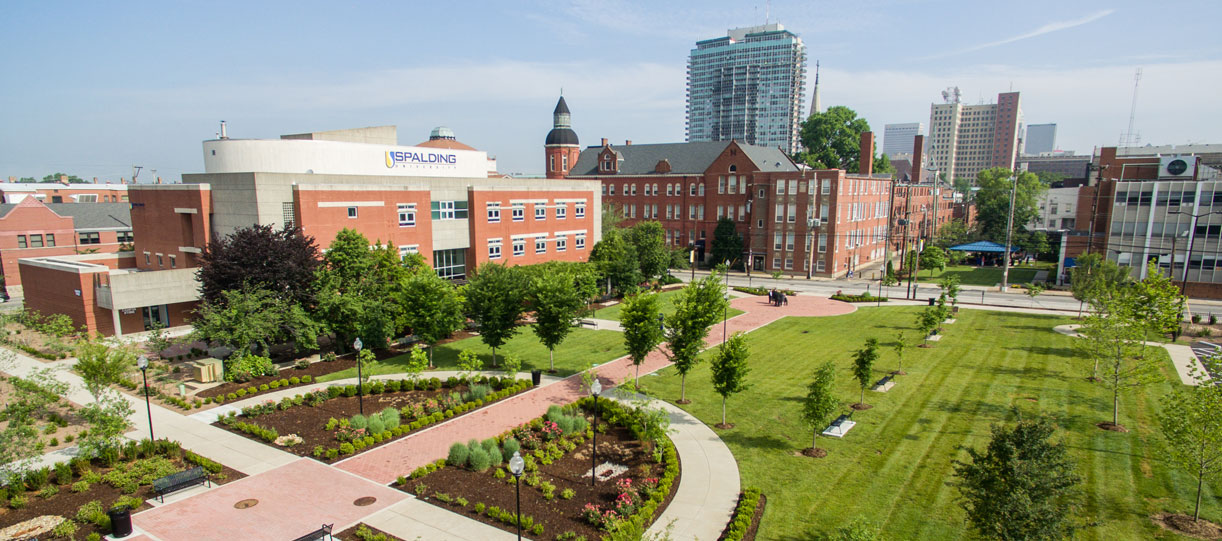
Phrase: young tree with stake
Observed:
(900, 347)
(699, 305)
(642, 333)
(820, 403)
(730, 371)
(1191, 420)
(557, 304)
(863, 368)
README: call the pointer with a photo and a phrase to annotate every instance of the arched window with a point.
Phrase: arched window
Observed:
(634, 189)
(669, 190)
(655, 189)
(551, 162)
(733, 168)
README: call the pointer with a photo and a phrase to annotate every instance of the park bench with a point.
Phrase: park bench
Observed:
(321, 534)
(407, 340)
(840, 426)
(883, 382)
(178, 481)
(587, 323)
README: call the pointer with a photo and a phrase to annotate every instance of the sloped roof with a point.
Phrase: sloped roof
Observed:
(684, 158)
(87, 215)
(987, 246)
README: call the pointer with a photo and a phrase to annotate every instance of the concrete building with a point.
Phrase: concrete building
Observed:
(434, 200)
(62, 192)
(1071, 166)
(1041, 138)
(1058, 210)
(898, 138)
(35, 229)
(747, 86)
(965, 139)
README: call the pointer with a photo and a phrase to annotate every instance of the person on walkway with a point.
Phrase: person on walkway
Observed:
(785, 299)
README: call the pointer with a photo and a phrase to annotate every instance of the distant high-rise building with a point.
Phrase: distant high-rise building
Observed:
(965, 139)
(747, 86)
(1041, 138)
(898, 138)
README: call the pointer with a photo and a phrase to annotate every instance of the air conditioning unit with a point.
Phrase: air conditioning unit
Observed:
(1177, 166)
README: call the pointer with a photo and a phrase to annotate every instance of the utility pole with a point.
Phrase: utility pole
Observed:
(1005, 273)
(907, 221)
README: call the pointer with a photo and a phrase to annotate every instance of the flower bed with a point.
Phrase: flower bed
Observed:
(326, 424)
(364, 532)
(81, 490)
(558, 499)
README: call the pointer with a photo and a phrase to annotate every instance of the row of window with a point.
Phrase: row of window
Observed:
(161, 260)
(675, 189)
(519, 245)
(47, 240)
(518, 211)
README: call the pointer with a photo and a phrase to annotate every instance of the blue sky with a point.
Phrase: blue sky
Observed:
(92, 88)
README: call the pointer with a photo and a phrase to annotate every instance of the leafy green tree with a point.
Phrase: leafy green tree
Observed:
(820, 402)
(1022, 486)
(901, 346)
(417, 362)
(641, 319)
(1113, 338)
(882, 165)
(1092, 272)
(469, 363)
(1158, 303)
(730, 370)
(106, 418)
(247, 318)
(863, 366)
(949, 285)
(933, 257)
(432, 308)
(993, 202)
(964, 186)
(953, 234)
(357, 290)
(72, 179)
(1034, 242)
(101, 365)
(616, 259)
(29, 401)
(832, 139)
(494, 302)
(927, 321)
(696, 308)
(260, 257)
(612, 216)
(557, 304)
(365, 358)
(1049, 177)
(727, 243)
(648, 240)
(1191, 421)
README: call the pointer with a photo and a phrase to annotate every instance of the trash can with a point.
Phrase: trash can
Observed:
(932, 301)
(120, 521)
(536, 377)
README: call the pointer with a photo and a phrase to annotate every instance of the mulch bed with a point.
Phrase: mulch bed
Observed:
(558, 515)
(814, 452)
(314, 371)
(1112, 427)
(861, 407)
(310, 422)
(66, 503)
(350, 534)
(1184, 525)
(755, 520)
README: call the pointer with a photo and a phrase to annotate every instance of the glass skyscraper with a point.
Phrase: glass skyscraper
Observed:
(747, 86)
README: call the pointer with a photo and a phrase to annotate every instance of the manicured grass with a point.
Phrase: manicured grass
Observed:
(666, 302)
(582, 347)
(895, 466)
(979, 276)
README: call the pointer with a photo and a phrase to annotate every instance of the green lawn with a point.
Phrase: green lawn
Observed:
(666, 302)
(895, 466)
(979, 276)
(582, 347)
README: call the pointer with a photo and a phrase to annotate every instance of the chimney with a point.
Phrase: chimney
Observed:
(628, 142)
(95, 180)
(866, 166)
(223, 134)
(12, 179)
(604, 141)
(122, 180)
(158, 180)
(918, 154)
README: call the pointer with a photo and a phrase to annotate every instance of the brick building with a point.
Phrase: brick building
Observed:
(34, 229)
(62, 192)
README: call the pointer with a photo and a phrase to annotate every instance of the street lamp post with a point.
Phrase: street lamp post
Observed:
(516, 466)
(360, 387)
(1192, 231)
(143, 363)
(1005, 273)
(725, 315)
(595, 388)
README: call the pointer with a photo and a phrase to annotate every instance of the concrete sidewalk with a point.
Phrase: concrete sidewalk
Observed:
(1182, 357)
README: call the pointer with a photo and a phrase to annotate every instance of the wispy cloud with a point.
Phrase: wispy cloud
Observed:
(1046, 29)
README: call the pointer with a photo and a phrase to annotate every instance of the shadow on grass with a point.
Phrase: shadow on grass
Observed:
(973, 406)
(1026, 372)
(1063, 352)
(755, 442)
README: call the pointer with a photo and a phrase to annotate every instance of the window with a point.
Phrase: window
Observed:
(793, 187)
(604, 189)
(776, 241)
(700, 212)
(519, 210)
(624, 188)
(540, 245)
(793, 213)
(562, 209)
(691, 189)
(668, 213)
(701, 189)
(721, 185)
(826, 187)
(408, 249)
(21, 241)
(634, 189)
(449, 210)
(742, 211)
(789, 241)
(407, 214)
(819, 265)
(123, 236)
(669, 191)
(721, 212)
(776, 262)
(551, 162)
(612, 186)
(35, 241)
(733, 184)
(691, 212)
(173, 262)
(788, 263)
(288, 214)
(655, 190)
(87, 198)
(632, 211)
(562, 243)
(160, 261)
(51, 239)
(146, 258)
(540, 211)
(519, 247)
(494, 212)
(763, 193)
(580, 241)
(89, 238)
(564, 162)
(352, 212)
(450, 263)
(822, 242)
(579, 211)
(780, 212)
(494, 249)
(780, 187)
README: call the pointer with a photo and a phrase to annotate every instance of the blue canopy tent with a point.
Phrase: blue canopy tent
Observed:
(983, 247)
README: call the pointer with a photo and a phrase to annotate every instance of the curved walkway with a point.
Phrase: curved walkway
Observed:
(1182, 357)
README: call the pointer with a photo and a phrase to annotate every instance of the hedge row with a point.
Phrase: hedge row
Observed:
(762, 290)
(858, 298)
(744, 514)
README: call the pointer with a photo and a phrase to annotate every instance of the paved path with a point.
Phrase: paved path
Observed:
(1182, 356)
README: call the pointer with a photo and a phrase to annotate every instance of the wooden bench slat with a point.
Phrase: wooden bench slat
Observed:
(317, 535)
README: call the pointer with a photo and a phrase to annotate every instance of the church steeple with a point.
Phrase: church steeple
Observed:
(561, 145)
(815, 106)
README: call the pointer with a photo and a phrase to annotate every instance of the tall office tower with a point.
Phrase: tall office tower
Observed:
(965, 139)
(747, 86)
(898, 138)
(1040, 138)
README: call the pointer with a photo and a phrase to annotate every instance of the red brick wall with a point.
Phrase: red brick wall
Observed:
(53, 291)
(64, 194)
(33, 220)
(379, 221)
(482, 230)
(158, 229)
(1004, 140)
(869, 230)
(557, 153)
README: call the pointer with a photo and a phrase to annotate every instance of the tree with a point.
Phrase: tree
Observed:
(469, 363)
(832, 139)
(901, 346)
(1092, 272)
(648, 239)
(1049, 177)
(727, 243)
(432, 308)
(1033, 291)
(357, 289)
(417, 362)
(730, 371)
(640, 319)
(1191, 420)
(882, 165)
(949, 285)
(964, 187)
(260, 257)
(616, 259)
(557, 305)
(612, 216)
(820, 402)
(993, 202)
(494, 302)
(953, 234)
(1034, 243)
(1113, 339)
(927, 321)
(365, 357)
(1158, 303)
(29, 401)
(696, 307)
(933, 257)
(101, 366)
(863, 366)
(72, 179)
(1022, 486)
(247, 317)
(107, 420)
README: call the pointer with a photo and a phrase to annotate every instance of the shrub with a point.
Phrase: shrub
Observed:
(264, 387)
(549, 490)
(509, 446)
(393, 386)
(63, 473)
(743, 514)
(567, 493)
(93, 513)
(36, 478)
(332, 453)
(537, 529)
(458, 455)
(1213, 320)
(80, 486)
(48, 491)
(294, 380)
(307, 379)
(858, 298)
(376, 426)
(67, 529)
(478, 459)
(390, 417)
(346, 448)
(359, 421)
(18, 501)
(332, 424)
(479, 507)
(461, 501)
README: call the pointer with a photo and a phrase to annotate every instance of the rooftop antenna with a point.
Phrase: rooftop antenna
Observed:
(136, 172)
(767, 12)
(1131, 138)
